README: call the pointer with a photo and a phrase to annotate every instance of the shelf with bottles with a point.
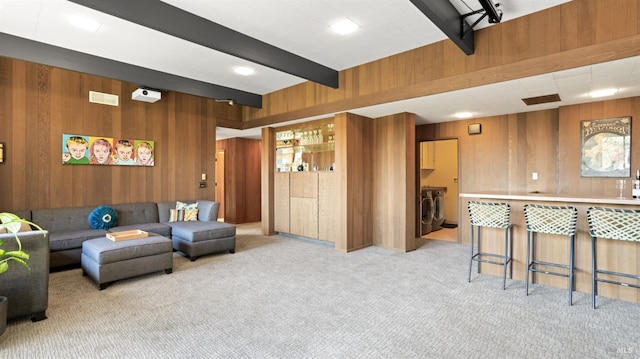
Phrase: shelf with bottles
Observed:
(311, 142)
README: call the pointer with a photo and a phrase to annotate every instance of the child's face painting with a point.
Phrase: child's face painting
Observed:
(101, 152)
(144, 154)
(77, 151)
(124, 153)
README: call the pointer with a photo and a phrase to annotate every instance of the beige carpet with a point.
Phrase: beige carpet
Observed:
(282, 297)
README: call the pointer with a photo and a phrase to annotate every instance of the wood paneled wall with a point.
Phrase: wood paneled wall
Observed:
(503, 156)
(242, 196)
(569, 145)
(354, 165)
(39, 103)
(511, 147)
(268, 193)
(394, 193)
(577, 33)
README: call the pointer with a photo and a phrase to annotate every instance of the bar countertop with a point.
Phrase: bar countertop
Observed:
(551, 197)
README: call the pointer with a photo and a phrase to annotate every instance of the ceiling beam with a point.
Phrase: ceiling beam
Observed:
(41, 53)
(174, 21)
(447, 18)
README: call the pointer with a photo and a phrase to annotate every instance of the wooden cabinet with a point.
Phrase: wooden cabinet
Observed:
(281, 202)
(305, 201)
(427, 155)
(303, 215)
(328, 199)
(297, 203)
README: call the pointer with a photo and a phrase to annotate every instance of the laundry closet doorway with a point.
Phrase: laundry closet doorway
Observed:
(439, 176)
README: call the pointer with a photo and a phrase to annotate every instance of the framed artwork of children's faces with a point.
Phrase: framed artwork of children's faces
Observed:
(106, 151)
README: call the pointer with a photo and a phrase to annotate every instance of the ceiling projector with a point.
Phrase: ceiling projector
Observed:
(145, 95)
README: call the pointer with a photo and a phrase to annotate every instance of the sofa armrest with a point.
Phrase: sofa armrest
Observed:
(27, 288)
(208, 210)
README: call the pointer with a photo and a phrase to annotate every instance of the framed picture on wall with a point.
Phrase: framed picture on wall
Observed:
(605, 147)
(99, 150)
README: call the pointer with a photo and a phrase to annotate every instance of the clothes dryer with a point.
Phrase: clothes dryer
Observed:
(426, 211)
(438, 208)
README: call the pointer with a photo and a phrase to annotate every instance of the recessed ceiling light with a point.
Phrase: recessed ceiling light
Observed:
(344, 26)
(84, 23)
(603, 93)
(244, 71)
(463, 115)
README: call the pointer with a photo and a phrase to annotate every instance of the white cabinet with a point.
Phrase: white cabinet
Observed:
(427, 158)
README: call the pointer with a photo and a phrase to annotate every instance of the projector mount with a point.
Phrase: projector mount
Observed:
(488, 10)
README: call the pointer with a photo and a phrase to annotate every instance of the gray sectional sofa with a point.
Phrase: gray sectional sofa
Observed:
(69, 227)
(65, 229)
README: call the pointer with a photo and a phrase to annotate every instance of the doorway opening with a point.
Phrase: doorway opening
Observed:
(220, 183)
(438, 189)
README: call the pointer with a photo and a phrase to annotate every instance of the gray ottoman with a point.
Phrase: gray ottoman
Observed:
(106, 261)
(197, 238)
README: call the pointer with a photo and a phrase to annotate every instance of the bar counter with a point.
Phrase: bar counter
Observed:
(548, 197)
(620, 256)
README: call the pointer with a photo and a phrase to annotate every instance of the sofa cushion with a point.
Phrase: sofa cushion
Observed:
(201, 230)
(136, 213)
(62, 219)
(65, 240)
(157, 228)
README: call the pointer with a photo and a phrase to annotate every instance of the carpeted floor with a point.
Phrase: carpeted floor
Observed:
(283, 297)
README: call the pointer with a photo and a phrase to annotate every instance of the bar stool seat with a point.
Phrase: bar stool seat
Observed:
(615, 224)
(556, 220)
(492, 215)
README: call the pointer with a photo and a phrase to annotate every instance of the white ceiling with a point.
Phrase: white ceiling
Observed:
(387, 27)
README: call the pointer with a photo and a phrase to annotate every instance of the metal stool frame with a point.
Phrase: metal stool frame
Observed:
(494, 215)
(616, 224)
(558, 220)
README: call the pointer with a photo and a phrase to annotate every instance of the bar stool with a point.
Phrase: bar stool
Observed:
(493, 215)
(617, 224)
(558, 220)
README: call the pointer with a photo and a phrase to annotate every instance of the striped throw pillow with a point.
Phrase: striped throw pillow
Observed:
(180, 215)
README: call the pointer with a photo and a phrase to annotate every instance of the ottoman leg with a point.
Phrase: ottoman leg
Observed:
(103, 285)
(168, 270)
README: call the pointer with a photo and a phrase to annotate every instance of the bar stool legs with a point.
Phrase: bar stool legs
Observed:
(496, 215)
(532, 263)
(613, 224)
(556, 220)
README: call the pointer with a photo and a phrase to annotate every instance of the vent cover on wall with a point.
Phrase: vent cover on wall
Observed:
(103, 98)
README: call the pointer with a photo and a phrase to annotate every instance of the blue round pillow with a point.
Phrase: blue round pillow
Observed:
(103, 217)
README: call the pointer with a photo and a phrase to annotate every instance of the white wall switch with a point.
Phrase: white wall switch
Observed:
(204, 176)
(534, 176)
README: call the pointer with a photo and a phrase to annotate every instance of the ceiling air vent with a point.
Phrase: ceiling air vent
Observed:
(541, 99)
(103, 98)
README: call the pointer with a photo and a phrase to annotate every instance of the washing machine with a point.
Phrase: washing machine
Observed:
(426, 211)
(437, 195)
